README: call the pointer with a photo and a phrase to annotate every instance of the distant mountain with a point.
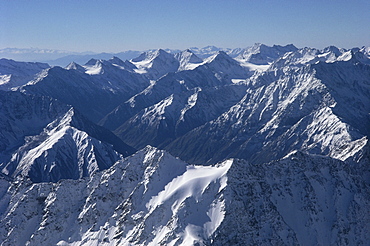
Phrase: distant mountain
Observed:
(61, 57)
(188, 60)
(83, 58)
(261, 54)
(156, 63)
(34, 54)
(94, 90)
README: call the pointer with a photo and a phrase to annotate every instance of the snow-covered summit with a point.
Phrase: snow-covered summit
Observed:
(330, 54)
(225, 66)
(156, 63)
(288, 108)
(75, 66)
(260, 54)
(188, 60)
(127, 65)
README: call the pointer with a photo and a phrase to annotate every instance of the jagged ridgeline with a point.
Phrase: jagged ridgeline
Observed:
(256, 146)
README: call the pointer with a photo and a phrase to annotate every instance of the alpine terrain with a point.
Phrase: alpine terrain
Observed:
(265, 145)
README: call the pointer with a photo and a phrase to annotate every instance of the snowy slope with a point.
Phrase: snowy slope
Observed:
(321, 108)
(14, 74)
(208, 51)
(307, 99)
(217, 71)
(152, 198)
(22, 116)
(177, 114)
(188, 60)
(156, 63)
(61, 151)
(298, 200)
(47, 141)
(260, 54)
(226, 67)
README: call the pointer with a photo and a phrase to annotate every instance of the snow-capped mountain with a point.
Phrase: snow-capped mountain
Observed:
(211, 50)
(216, 71)
(45, 140)
(188, 60)
(156, 63)
(14, 74)
(297, 97)
(94, 89)
(225, 67)
(260, 146)
(24, 116)
(60, 151)
(321, 108)
(152, 198)
(177, 114)
(260, 54)
(83, 58)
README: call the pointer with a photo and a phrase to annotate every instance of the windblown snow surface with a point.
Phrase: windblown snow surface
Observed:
(152, 198)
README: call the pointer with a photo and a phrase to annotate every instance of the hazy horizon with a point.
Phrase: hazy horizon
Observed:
(80, 26)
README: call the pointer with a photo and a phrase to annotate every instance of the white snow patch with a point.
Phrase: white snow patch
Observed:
(191, 184)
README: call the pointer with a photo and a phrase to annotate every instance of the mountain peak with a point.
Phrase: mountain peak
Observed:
(91, 62)
(151, 55)
(156, 63)
(333, 49)
(116, 60)
(359, 57)
(75, 66)
(219, 56)
(14, 74)
(211, 48)
(187, 59)
(261, 54)
(259, 46)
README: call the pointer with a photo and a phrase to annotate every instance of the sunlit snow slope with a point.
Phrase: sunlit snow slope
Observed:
(152, 198)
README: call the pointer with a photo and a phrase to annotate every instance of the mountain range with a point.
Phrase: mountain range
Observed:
(265, 145)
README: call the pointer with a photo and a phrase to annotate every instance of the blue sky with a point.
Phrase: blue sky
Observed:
(113, 26)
